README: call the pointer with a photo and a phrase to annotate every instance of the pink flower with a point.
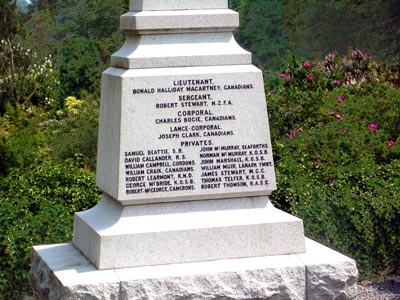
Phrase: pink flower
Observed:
(340, 99)
(300, 129)
(308, 64)
(390, 143)
(373, 147)
(373, 126)
(377, 79)
(338, 116)
(336, 82)
(310, 77)
(285, 75)
(292, 134)
(329, 112)
(315, 160)
(344, 129)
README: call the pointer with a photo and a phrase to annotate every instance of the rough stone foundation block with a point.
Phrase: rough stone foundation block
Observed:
(61, 272)
(329, 274)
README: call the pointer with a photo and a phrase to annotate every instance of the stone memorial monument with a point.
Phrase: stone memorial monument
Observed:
(186, 167)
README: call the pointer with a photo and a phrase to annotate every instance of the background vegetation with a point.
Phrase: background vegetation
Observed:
(334, 113)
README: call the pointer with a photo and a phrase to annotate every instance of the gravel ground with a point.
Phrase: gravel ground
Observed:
(389, 289)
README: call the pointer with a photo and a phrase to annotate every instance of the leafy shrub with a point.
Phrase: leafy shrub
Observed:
(336, 135)
(37, 207)
(22, 141)
(80, 67)
(75, 133)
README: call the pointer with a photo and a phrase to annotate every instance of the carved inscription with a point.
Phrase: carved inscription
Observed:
(158, 171)
(234, 166)
(194, 124)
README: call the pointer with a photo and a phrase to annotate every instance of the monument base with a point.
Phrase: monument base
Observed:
(61, 272)
(115, 236)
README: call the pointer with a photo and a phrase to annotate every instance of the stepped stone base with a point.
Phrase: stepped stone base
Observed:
(61, 272)
(114, 236)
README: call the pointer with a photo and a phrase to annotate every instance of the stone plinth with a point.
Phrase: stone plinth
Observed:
(168, 233)
(61, 272)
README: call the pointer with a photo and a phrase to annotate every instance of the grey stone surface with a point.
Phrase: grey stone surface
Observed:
(225, 147)
(283, 283)
(188, 50)
(199, 33)
(116, 236)
(62, 272)
(180, 21)
(139, 5)
(330, 275)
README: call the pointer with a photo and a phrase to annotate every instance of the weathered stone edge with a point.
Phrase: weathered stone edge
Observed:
(321, 273)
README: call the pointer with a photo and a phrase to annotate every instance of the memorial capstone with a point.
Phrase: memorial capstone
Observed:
(186, 167)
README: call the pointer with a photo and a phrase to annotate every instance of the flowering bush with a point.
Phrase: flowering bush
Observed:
(25, 79)
(337, 151)
(355, 68)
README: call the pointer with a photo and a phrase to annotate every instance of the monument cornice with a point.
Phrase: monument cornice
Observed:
(159, 5)
(179, 21)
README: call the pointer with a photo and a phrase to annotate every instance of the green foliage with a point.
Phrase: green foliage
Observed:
(353, 208)
(305, 86)
(37, 207)
(40, 34)
(81, 35)
(316, 27)
(234, 4)
(337, 145)
(25, 79)
(313, 28)
(22, 141)
(263, 35)
(95, 20)
(41, 5)
(92, 19)
(75, 133)
(8, 18)
(80, 67)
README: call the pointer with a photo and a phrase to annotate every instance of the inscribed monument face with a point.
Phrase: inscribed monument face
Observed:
(190, 134)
